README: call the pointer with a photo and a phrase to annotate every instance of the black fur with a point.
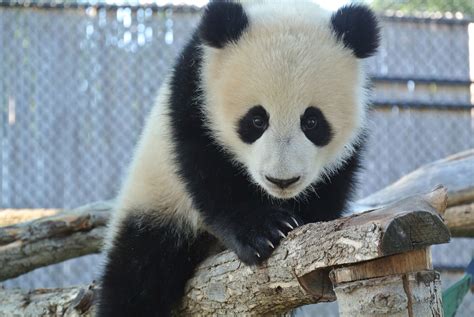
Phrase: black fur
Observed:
(247, 131)
(222, 22)
(356, 26)
(322, 133)
(149, 264)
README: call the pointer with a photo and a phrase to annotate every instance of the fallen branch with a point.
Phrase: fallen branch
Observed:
(68, 234)
(298, 271)
(72, 233)
(460, 220)
(71, 301)
(456, 172)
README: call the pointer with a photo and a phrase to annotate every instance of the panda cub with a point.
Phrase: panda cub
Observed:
(256, 131)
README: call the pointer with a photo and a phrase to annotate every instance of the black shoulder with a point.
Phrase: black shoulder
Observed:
(222, 22)
(357, 27)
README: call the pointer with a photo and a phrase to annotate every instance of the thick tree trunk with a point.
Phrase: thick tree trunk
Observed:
(403, 295)
(359, 250)
(398, 285)
(296, 274)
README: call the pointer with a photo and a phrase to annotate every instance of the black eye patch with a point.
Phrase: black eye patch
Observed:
(252, 125)
(315, 126)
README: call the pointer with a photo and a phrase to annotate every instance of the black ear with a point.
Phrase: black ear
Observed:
(357, 27)
(222, 22)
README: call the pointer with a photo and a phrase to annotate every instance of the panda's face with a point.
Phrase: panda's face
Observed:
(287, 100)
(284, 154)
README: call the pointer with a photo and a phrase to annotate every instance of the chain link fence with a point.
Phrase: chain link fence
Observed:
(76, 86)
(78, 80)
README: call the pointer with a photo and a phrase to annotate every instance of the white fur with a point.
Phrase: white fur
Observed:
(288, 59)
(151, 183)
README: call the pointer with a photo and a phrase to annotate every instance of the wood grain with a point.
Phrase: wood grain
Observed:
(411, 261)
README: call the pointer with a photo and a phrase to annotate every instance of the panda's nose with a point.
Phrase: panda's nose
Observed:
(282, 183)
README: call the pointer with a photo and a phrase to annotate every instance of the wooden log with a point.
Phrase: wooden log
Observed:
(411, 261)
(297, 273)
(72, 233)
(70, 301)
(398, 285)
(411, 294)
(49, 240)
(393, 229)
(460, 220)
(456, 172)
(448, 170)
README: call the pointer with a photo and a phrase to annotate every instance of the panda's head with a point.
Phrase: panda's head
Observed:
(284, 87)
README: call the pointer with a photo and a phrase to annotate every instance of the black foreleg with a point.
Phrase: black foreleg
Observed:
(147, 268)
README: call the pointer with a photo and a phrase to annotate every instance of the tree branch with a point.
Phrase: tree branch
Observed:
(455, 172)
(460, 220)
(71, 301)
(72, 233)
(298, 271)
(68, 234)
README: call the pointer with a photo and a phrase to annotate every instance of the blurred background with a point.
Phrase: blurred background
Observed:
(77, 79)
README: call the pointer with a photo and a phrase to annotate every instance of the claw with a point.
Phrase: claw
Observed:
(296, 222)
(257, 254)
(281, 234)
(270, 244)
(288, 225)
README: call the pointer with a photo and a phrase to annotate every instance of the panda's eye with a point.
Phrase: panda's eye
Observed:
(310, 123)
(316, 127)
(259, 122)
(253, 124)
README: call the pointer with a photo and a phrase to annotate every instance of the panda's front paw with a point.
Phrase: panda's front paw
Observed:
(256, 241)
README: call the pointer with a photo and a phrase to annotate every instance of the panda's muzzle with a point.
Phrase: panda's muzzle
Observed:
(282, 183)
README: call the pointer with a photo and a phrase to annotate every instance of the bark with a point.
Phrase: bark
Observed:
(68, 234)
(298, 271)
(398, 285)
(402, 295)
(71, 301)
(460, 220)
(455, 172)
